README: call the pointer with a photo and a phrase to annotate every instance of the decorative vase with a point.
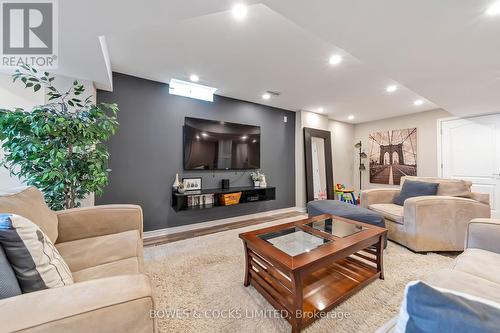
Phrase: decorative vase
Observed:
(256, 183)
(175, 185)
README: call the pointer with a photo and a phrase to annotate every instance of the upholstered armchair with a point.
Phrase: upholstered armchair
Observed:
(429, 223)
(102, 246)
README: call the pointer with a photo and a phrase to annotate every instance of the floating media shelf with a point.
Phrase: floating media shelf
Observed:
(248, 194)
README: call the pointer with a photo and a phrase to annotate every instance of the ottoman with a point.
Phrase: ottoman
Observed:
(347, 210)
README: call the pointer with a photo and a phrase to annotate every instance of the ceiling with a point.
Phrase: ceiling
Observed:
(445, 52)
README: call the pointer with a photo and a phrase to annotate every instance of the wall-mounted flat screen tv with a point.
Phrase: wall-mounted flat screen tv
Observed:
(219, 145)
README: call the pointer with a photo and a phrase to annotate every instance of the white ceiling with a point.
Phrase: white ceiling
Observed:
(445, 52)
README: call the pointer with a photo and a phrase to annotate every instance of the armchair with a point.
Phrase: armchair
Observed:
(102, 246)
(483, 234)
(429, 223)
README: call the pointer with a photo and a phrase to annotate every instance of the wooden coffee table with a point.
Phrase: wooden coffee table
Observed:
(307, 267)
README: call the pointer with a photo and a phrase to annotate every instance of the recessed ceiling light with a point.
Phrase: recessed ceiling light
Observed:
(203, 134)
(244, 137)
(194, 78)
(391, 88)
(418, 102)
(350, 117)
(494, 9)
(321, 110)
(266, 96)
(335, 59)
(239, 11)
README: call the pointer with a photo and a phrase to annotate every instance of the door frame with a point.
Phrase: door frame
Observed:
(493, 206)
(439, 135)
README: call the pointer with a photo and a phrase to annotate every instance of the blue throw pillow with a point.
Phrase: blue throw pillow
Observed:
(8, 282)
(414, 189)
(428, 309)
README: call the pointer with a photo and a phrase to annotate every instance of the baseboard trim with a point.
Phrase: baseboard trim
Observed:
(208, 224)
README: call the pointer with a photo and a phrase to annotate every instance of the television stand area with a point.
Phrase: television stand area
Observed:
(180, 201)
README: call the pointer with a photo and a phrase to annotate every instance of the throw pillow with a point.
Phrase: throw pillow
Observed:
(34, 259)
(8, 283)
(429, 309)
(412, 189)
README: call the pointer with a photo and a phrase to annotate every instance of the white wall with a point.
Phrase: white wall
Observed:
(342, 149)
(342, 135)
(426, 124)
(14, 95)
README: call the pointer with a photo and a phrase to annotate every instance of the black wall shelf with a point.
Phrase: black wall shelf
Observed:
(248, 194)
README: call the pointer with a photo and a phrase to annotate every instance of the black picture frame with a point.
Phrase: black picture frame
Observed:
(199, 179)
(308, 134)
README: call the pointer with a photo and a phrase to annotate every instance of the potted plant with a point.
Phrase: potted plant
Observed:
(257, 177)
(58, 147)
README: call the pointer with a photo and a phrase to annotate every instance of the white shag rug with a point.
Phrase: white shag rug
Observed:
(198, 287)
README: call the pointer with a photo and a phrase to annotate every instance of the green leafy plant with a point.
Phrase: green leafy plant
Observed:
(58, 147)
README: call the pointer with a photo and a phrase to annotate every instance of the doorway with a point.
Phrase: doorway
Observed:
(469, 148)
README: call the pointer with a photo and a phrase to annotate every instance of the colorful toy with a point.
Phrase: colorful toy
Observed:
(345, 195)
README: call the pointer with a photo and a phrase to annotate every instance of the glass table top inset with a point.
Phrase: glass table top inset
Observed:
(294, 241)
(336, 228)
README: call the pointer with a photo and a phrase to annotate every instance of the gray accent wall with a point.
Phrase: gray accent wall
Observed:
(147, 152)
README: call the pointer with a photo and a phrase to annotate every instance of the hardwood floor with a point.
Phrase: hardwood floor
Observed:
(154, 241)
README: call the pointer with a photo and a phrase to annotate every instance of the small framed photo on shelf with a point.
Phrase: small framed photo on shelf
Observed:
(192, 184)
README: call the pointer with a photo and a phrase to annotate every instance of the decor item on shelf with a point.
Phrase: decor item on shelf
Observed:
(202, 200)
(176, 183)
(225, 183)
(257, 178)
(59, 146)
(180, 188)
(192, 184)
(362, 167)
(230, 199)
(263, 182)
(393, 154)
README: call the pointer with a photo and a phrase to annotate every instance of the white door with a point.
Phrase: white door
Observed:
(470, 150)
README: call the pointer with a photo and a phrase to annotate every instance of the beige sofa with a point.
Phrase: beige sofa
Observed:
(102, 246)
(429, 223)
(476, 271)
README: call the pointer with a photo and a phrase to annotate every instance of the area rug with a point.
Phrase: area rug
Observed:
(198, 287)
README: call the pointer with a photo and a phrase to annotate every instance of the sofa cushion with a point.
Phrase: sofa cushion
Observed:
(465, 283)
(8, 283)
(121, 267)
(411, 189)
(389, 211)
(481, 263)
(29, 202)
(34, 258)
(430, 309)
(90, 252)
(447, 187)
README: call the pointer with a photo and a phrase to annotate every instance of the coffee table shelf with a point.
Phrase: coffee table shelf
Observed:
(332, 284)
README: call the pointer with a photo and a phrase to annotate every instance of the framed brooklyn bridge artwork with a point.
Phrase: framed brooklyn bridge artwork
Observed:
(392, 154)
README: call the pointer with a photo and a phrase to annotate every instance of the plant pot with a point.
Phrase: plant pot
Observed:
(256, 184)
